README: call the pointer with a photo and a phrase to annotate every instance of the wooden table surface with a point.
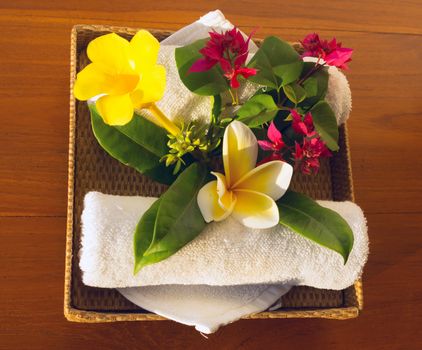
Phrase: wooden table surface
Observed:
(386, 145)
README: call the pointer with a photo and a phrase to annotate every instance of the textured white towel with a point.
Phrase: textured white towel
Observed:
(224, 254)
(205, 307)
(254, 267)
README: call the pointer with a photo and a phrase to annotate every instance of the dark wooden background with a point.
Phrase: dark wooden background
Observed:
(386, 146)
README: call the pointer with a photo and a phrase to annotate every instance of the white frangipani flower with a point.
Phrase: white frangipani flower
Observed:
(246, 192)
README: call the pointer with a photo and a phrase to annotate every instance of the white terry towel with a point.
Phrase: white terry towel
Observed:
(225, 253)
(216, 256)
(205, 307)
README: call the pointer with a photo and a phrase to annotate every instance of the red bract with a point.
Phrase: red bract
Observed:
(234, 73)
(275, 145)
(330, 51)
(339, 56)
(308, 154)
(275, 137)
(302, 127)
(230, 50)
(312, 45)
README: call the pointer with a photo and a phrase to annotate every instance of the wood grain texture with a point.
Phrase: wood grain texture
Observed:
(386, 146)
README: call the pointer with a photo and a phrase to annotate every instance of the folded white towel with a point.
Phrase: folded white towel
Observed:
(225, 253)
(205, 307)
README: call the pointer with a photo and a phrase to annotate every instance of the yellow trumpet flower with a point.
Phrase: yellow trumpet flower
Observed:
(124, 75)
(246, 192)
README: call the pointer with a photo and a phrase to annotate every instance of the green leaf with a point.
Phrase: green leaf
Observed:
(326, 124)
(143, 235)
(139, 144)
(294, 92)
(178, 219)
(277, 62)
(216, 107)
(311, 86)
(321, 225)
(289, 72)
(208, 83)
(315, 86)
(259, 109)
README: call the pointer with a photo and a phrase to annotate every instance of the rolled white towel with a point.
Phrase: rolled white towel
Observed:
(224, 254)
(339, 95)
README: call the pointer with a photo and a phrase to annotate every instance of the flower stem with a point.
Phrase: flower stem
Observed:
(315, 69)
(165, 122)
(233, 98)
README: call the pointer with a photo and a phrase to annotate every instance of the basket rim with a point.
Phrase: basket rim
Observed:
(77, 315)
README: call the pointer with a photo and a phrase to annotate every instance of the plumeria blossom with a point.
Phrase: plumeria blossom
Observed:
(245, 192)
(124, 74)
(230, 50)
(274, 145)
(331, 52)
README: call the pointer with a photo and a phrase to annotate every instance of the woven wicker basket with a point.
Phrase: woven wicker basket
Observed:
(90, 168)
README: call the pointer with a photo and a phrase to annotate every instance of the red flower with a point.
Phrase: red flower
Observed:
(275, 145)
(302, 127)
(330, 51)
(232, 75)
(312, 45)
(308, 154)
(230, 50)
(338, 56)
(275, 137)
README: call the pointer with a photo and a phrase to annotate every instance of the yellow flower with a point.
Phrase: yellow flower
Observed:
(245, 192)
(125, 75)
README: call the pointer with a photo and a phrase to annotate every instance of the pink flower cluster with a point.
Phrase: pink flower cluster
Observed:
(307, 154)
(330, 51)
(230, 50)
(312, 148)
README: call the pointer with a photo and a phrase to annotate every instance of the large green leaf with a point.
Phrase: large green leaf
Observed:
(326, 124)
(208, 83)
(294, 92)
(259, 109)
(321, 225)
(311, 86)
(315, 86)
(139, 144)
(178, 219)
(289, 72)
(143, 237)
(277, 62)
